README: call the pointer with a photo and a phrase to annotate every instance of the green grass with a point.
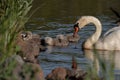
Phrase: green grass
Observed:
(13, 16)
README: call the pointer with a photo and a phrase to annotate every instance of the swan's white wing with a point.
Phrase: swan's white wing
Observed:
(111, 30)
(110, 41)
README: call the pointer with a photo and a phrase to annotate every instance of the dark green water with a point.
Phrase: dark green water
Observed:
(52, 17)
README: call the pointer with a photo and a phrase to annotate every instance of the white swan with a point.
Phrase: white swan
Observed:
(110, 41)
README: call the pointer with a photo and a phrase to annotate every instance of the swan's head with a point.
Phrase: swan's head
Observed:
(49, 41)
(76, 29)
(84, 20)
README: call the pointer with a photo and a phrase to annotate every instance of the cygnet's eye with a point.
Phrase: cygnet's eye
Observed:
(24, 35)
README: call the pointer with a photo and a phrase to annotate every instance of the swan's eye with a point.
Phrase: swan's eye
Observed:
(76, 25)
(76, 28)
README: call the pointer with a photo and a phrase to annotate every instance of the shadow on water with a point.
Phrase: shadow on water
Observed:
(58, 17)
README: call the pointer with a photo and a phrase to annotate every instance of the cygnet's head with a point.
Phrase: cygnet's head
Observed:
(60, 36)
(49, 41)
(26, 35)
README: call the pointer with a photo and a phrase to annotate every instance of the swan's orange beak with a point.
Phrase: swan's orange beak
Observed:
(76, 29)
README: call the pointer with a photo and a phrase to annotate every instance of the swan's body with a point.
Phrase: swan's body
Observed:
(111, 30)
(110, 41)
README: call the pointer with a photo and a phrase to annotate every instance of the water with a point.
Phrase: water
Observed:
(58, 17)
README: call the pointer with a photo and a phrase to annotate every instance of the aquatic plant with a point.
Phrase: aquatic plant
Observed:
(13, 16)
(12, 20)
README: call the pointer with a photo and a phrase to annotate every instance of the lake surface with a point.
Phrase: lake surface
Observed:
(52, 17)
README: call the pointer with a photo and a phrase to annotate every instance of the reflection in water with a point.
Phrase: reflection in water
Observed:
(61, 56)
(105, 61)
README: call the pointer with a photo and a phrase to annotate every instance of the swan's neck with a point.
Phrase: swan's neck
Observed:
(94, 38)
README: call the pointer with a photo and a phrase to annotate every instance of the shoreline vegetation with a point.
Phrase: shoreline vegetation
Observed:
(13, 17)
